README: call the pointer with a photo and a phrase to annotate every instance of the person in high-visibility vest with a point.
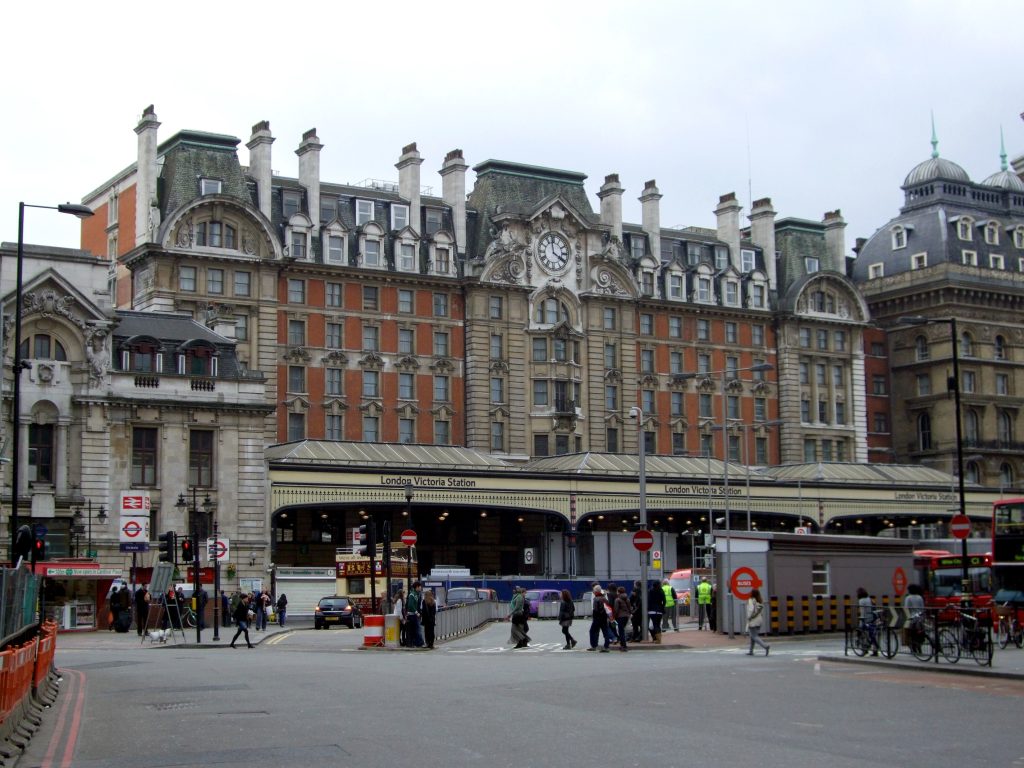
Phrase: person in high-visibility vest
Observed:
(669, 617)
(703, 603)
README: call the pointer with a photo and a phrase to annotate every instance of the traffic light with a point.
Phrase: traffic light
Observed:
(188, 553)
(38, 548)
(363, 545)
(168, 553)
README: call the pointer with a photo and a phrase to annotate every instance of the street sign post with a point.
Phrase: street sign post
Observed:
(218, 549)
(643, 540)
(960, 526)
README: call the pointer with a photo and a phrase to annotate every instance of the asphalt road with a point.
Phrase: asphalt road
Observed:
(306, 698)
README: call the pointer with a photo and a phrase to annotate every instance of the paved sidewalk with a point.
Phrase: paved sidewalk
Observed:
(103, 639)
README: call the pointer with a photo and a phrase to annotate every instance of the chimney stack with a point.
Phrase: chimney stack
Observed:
(610, 195)
(408, 166)
(835, 240)
(145, 184)
(453, 191)
(652, 217)
(762, 233)
(309, 174)
(259, 163)
(728, 213)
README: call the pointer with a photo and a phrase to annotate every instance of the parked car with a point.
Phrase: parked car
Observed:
(337, 610)
(487, 594)
(460, 596)
(535, 597)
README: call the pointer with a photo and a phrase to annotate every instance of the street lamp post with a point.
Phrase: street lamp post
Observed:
(408, 556)
(638, 414)
(82, 212)
(746, 453)
(953, 383)
(101, 515)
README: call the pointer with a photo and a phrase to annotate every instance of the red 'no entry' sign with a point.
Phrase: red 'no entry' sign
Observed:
(409, 537)
(643, 540)
(960, 526)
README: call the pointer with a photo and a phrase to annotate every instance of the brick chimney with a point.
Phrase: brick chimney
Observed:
(145, 184)
(762, 233)
(453, 190)
(309, 174)
(610, 195)
(835, 240)
(259, 163)
(728, 213)
(408, 166)
(652, 217)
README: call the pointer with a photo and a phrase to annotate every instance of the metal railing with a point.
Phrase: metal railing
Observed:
(18, 609)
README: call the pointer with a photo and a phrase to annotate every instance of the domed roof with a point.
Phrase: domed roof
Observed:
(935, 168)
(1005, 180)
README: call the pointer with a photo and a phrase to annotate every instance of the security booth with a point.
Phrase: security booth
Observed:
(807, 581)
(75, 593)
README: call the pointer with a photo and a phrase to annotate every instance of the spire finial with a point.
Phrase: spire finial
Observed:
(1002, 151)
(935, 140)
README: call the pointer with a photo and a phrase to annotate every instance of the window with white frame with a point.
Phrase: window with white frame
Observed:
(112, 209)
(675, 286)
(609, 319)
(442, 432)
(703, 363)
(1002, 384)
(112, 246)
(610, 356)
(647, 282)
(611, 397)
(921, 348)
(965, 228)
(721, 257)
(406, 341)
(496, 346)
(970, 382)
(210, 186)
(364, 212)
(241, 327)
(187, 279)
(647, 361)
(637, 246)
(335, 249)
(995, 261)
(747, 260)
(924, 384)
(731, 332)
(703, 329)
(333, 335)
(291, 202)
(405, 301)
(675, 361)
(919, 260)
(371, 338)
(333, 427)
(999, 347)
(876, 271)
(296, 291)
(646, 324)
(371, 429)
(332, 295)
(440, 305)
(732, 293)
(407, 257)
(442, 261)
(497, 389)
(820, 584)
(540, 392)
(296, 426)
(677, 404)
(371, 252)
(399, 216)
(1018, 237)
(242, 282)
(811, 264)
(495, 307)
(442, 393)
(371, 298)
(757, 296)
(440, 344)
(328, 208)
(296, 333)
(992, 233)
(406, 431)
(693, 254)
(899, 237)
(703, 289)
(433, 220)
(757, 334)
(969, 258)
(839, 341)
(675, 327)
(332, 381)
(497, 436)
(371, 383)
(406, 386)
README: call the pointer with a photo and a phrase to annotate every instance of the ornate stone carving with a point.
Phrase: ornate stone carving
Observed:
(606, 283)
(97, 354)
(298, 355)
(335, 357)
(186, 235)
(248, 242)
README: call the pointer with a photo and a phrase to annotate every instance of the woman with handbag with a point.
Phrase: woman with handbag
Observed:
(566, 613)
(755, 615)
(241, 617)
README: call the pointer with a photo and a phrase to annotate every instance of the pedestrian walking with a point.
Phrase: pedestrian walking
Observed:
(755, 615)
(428, 617)
(141, 609)
(413, 603)
(241, 617)
(636, 602)
(669, 618)
(599, 617)
(282, 609)
(622, 610)
(703, 602)
(517, 615)
(566, 613)
(655, 609)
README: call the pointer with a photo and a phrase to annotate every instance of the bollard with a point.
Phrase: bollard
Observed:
(805, 614)
(373, 631)
(819, 613)
(773, 615)
(833, 613)
(790, 615)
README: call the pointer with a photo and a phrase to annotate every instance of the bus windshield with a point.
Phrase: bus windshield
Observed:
(947, 582)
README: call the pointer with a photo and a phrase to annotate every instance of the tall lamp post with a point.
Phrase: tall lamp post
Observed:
(200, 531)
(101, 515)
(82, 212)
(953, 383)
(746, 454)
(638, 413)
(408, 557)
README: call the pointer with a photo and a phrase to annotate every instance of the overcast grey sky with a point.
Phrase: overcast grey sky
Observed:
(818, 105)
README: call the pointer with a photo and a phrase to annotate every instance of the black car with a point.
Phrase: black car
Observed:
(461, 596)
(337, 610)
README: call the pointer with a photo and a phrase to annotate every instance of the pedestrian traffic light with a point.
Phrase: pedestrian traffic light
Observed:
(39, 548)
(187, 551)
(168, 553)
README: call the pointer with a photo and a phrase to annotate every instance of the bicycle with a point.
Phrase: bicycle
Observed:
(920, 632)
(875, 636)
(1009, 628)
(967, 636)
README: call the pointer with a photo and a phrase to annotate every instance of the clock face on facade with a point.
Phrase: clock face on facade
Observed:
(553, 251)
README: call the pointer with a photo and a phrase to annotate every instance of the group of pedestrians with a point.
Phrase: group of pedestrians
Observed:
(417, 616)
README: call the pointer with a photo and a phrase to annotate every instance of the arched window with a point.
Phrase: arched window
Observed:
(1005, 475)
(1005, 428)
(42, 347)
(971, 472)
(966, 345)
(971, 427)
(551, 311)
(924, 432)
(921, 348)
(999, 348)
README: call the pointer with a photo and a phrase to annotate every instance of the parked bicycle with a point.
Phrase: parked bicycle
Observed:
(1009, 630)
(876, 636)
(970, 636)
(918, 635)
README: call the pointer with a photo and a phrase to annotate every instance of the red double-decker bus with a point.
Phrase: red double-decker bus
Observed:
(1008, 543)
(940, 574)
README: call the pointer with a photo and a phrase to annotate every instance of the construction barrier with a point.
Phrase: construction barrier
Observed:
(373, 631)
(807, 614)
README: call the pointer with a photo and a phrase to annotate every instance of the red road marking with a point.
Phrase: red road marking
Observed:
(63, 732)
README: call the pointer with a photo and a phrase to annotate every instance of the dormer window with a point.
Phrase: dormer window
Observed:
(965, 228)
(399, 216)
(433, 220)
(732, 293)
(757, 296)
(811, 264)
(704, 289)
(371, 253)
(969, 258)
(693, 254)
(919, 261)
(291, 202)
(364, 212)
(992, 233)
(210, 186)
(899, 238)
(747, 260)
(328, 209)
(442, 261)
(721, 257)
(297, 247)
(335, 249)
(876, 271)
(637, 246)
(407, 257)
(675, 286)
(1018, 237)
(647, 282)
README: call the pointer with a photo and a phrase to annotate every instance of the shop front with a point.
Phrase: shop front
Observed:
(75, 593)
